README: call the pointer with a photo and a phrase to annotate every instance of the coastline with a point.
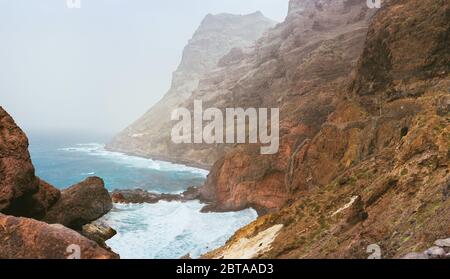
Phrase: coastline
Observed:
(173, 160)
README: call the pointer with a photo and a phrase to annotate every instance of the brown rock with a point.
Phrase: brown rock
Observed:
(386, 133)
(98, 232)
(141, 196)
(80, 204)
(17, 179)
(37, 205)
(22, 238)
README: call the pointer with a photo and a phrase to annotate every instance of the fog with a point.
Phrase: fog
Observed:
(98, 68)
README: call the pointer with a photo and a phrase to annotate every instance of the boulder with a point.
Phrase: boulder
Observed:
(37, 205)
(17, 179)
(23, 238)
(442, 242)
(435, 252)
(80, 204)
(98, 232)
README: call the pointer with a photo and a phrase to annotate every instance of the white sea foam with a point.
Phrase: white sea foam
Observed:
(171, 229)
(99, 150)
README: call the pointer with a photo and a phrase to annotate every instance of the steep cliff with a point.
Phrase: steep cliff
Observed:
(302, 67)
(376, 169)
(217, 35)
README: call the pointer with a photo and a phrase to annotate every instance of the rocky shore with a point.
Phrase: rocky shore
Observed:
(142, 196)
(38, 221)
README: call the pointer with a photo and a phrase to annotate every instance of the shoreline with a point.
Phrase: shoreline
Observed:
(168, 159)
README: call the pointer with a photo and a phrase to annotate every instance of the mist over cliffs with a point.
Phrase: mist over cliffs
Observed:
(216, 36)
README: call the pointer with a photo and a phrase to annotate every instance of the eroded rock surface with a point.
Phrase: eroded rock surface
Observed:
(22, 238)
(81, 204)
(385, 139)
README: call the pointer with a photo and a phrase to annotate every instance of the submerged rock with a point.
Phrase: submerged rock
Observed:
(81, 204)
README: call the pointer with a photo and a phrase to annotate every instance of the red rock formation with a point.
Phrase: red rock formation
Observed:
(301, 67)
(22, 238)
(377, 171)
(24, 194)
(17, 180)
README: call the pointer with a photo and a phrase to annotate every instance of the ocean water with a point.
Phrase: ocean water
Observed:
(146, 231)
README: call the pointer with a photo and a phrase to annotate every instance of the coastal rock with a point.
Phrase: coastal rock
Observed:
(142, 196)
(23, 194)
(17, 179)
(80, 204)
(98, 232)
(37, 205)
(22, 238)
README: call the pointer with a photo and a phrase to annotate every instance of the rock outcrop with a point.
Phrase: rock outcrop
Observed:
(217, 35)
(301, 67)
(98, 232)
(22, 238)
(22, 194)
(80, 204)
(17, 179)
(375, 170)
(142, 196)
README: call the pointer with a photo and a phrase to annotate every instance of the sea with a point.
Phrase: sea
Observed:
(166, 230)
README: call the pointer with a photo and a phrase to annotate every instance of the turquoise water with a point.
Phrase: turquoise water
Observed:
(64, 163)
(148, 231)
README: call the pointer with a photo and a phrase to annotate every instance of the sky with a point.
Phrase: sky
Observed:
(98, 68)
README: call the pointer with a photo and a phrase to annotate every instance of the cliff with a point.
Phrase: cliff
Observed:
(373, 169)
(302, 67)
(217, 35)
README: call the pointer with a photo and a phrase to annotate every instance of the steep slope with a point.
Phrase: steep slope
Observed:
(377, 171)
(217, 35)
(301, 66)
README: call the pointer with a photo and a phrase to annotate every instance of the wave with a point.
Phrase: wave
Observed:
(96, 149)
(169, 230)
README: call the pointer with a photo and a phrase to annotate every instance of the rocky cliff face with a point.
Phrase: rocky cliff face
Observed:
(217, 35)
(376, 168)
(30, 199)
(301, 66)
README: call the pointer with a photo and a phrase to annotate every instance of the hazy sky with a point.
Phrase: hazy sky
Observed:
(100, 67)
